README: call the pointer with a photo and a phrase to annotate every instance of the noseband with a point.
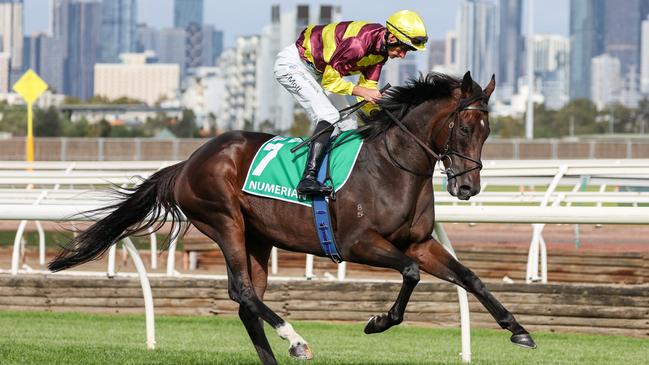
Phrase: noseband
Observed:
(447, 152)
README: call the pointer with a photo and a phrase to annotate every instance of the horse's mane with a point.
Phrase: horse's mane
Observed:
(400, 99)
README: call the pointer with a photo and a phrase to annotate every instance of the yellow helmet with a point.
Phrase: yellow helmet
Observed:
(409, 29)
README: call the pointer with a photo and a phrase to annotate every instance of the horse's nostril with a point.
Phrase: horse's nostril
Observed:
(465, 190)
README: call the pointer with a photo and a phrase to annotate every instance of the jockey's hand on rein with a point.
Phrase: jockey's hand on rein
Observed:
(371, 95)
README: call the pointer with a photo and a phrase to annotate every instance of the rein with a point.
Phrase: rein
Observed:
(446, 151)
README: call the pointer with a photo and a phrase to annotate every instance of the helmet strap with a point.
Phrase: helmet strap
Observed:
(386, 42)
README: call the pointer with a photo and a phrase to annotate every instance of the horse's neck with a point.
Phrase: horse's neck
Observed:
(423, 122)
(380, 156)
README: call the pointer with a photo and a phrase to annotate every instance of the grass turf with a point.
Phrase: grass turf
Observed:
(72, 338)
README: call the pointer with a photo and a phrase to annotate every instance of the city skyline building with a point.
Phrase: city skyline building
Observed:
(644, 57)
(436, 53)
(5, 65)
(487, 40)
(550, 52)
(630, 94)
(551, 67)
(194, 51)
(77, 23)
(217, 44)
(45, 55)
(586, 41)
(622, 23)
(11, 33)
(240, 66)
(171, 47)
(118, 29)
(189, 47)
(147, 38)
(188, 12)
(510, 47)
(451, 53)
(136, 78)
(477, 27)
(205, 95)
(274, 36)
(607, 83)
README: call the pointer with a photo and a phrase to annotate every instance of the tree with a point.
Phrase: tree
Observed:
(301, 126)
(13, 120)
(100, 99)
(544, 122)
(100, 129)
(186, 126)
(267, 127)
(248, 125)
(212, 127)
(507, 127)
(77, 129)
(619, 118)
(123, 131)
(582, 114)
(642, 117)
(47, 123)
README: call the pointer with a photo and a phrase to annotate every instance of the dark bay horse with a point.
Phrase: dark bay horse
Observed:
(383, 216)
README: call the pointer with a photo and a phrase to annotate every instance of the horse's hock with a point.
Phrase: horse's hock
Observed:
(610, 309)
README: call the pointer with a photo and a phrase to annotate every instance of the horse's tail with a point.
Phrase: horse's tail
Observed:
(145, 206)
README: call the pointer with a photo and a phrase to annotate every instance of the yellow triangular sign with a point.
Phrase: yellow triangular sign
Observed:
(30, 86)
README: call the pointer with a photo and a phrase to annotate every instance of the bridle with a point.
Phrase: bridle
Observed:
(447, 152)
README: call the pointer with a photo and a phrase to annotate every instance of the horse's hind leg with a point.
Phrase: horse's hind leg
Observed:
(230, 238)
(435, 260)
(258, 265)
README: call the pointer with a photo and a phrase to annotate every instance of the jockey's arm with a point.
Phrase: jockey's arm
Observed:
(343, 60)
(369, 81)
(368, 91)
(333, 82)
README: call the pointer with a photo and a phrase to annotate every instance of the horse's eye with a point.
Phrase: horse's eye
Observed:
(464, 130)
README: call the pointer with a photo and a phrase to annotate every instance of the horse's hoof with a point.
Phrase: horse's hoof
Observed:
(370, 326)
(523, 340)
(376, 324)
(301, 351)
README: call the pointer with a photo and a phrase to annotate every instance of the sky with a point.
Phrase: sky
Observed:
(245, 17)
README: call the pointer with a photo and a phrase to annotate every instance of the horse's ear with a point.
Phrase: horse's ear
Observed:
(490, 87)
(467, 85)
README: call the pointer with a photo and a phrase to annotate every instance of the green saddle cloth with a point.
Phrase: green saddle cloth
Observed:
(275, 171)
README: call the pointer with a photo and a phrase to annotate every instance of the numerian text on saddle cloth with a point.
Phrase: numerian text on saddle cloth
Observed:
(275, 171)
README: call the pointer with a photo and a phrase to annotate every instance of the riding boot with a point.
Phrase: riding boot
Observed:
(309, 184)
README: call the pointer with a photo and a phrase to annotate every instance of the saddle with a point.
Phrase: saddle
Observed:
(275, 173)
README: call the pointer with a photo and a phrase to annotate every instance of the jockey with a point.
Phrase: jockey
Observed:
(323, 55)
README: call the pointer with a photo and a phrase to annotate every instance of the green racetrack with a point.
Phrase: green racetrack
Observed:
(72, 338)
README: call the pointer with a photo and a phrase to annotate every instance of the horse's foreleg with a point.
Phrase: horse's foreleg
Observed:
(376, 251)
(435, 260)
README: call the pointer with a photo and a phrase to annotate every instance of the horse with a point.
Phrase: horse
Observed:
(439, 117)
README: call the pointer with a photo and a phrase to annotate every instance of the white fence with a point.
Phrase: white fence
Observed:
(50, 192)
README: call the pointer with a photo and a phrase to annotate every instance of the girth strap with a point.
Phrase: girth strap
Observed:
(322, 218)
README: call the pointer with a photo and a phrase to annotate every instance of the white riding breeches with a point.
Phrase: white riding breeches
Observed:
(303, 82)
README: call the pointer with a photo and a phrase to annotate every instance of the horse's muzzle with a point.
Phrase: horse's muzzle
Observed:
(462, 190)
(464, 193)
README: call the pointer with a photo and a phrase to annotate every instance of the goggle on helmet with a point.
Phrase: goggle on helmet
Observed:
(408, 27)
